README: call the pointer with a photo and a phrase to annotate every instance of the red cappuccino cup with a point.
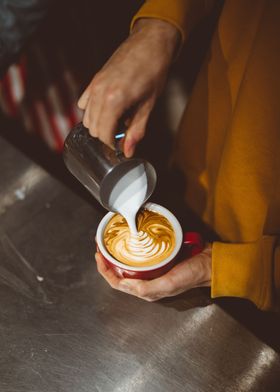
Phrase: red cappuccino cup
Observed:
(184, 245)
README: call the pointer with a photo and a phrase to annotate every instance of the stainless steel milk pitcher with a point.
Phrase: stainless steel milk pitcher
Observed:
(99, 168)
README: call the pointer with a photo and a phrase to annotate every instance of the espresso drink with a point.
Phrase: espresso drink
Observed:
(154, 242)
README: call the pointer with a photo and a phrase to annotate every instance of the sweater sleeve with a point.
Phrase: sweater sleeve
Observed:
(248, 270)
(183, 14)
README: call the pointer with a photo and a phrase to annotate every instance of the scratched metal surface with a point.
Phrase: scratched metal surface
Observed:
(62, 329)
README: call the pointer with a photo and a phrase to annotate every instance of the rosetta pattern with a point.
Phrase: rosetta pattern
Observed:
(155, 240)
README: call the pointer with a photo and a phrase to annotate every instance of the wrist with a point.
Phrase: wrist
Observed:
(207, 264)
(163, 33)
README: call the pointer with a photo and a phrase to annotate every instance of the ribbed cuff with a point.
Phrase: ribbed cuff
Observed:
(171, 11)
(244, 270)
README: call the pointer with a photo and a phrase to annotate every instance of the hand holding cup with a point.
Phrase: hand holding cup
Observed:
(145, 267)
(186, 275)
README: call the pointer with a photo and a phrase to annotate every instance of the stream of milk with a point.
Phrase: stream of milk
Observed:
(129, 194)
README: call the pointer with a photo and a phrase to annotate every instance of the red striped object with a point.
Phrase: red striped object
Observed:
(42, 93)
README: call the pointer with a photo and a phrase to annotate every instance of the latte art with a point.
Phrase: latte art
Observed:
(155, 240)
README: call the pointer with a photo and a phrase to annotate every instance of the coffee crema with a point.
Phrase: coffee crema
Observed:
(154, 243)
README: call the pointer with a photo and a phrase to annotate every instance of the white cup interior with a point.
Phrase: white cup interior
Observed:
(152, 207)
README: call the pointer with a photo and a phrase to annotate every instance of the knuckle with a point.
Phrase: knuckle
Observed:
(113, 96)
(99, 269)
(149, 299)
(97, 83)
(153, 298)
(142, 291)
(92, 131)
(112, 285)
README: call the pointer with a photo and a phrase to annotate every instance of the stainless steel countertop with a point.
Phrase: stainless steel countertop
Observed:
(63, 329)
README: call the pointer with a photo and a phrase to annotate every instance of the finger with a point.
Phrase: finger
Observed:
(137, 128)
(91, 101)
(113, 107)
(86, 118)
(106, 272)
(89, 119)
(83, 100)
(184, 276)
(115, 282)
(130, 286)
(168, 285)
(94, 109)
(149, 290)
(192, 272)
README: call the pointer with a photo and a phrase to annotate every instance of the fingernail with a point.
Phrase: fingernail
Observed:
(129, 154)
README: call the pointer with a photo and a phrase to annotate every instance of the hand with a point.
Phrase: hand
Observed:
(132, 78)
(190, 273)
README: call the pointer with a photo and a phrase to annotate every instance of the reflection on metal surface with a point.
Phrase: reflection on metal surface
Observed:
(20, 193)
(23, 279)
(20, 186)
(12, 281)
(201, 316)
(260, 364)
(141, 375)
(10, 249)
(72, 332)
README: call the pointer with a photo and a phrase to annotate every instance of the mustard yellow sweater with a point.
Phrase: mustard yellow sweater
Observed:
(228, 144)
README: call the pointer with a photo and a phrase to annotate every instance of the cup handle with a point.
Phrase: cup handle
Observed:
(192, 244)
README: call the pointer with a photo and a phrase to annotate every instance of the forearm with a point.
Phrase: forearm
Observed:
(161, 33)
(182, 14)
